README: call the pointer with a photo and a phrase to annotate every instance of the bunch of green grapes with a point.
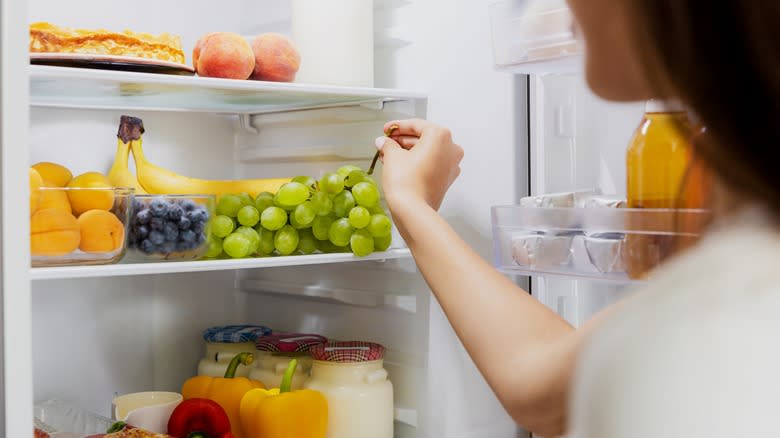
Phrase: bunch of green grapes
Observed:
(339, 213)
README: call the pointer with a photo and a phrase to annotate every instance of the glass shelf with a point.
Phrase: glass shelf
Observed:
(591, 243)
(67, 87)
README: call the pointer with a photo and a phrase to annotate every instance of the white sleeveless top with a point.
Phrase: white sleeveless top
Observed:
(696, 353)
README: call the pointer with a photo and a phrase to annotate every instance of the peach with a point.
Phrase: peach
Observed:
(198, 47)
(101, 231)
(54, 174)
(35, 193)
(54, 197)
(83, 200)
(276, 58)
(53, 232)
(224, 55)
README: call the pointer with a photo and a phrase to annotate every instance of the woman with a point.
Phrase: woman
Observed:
(695, 353)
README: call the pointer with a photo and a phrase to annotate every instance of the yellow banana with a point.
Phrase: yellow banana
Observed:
(120, 175)
(157, 180)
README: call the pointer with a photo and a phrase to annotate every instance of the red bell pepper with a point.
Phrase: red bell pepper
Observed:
(199, 418)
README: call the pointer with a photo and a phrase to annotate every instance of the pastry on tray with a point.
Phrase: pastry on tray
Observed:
(48, 38)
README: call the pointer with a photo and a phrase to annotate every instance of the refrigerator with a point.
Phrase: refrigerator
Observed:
(506, 78)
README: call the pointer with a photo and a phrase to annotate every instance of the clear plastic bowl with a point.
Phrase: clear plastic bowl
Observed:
(60, 418)
(169, 227)
(80, 226)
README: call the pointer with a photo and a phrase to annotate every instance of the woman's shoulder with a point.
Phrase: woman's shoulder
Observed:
(693, 354)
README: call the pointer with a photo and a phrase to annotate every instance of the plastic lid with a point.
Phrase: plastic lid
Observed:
(347, 352)
(289, 342)
(235, 334)
(664, 106)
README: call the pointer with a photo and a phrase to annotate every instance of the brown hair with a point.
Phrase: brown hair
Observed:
(722, 58)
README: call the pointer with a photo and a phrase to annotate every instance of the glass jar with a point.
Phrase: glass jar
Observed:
(274, 354)
(352, 378)
(223, 343)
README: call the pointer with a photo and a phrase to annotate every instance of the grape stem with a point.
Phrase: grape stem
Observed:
(388, 133)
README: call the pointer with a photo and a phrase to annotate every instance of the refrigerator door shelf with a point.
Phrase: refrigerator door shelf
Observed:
(535, 36)
(590, 243)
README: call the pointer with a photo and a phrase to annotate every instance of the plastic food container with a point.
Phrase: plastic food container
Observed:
(169, 227)
(352, 378)
(80, 226)
(61, 419)
(223, 343)
(274, 353)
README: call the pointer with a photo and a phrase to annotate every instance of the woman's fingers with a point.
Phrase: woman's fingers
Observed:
(412, 127)
(406, 141)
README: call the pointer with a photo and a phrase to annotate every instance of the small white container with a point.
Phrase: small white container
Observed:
(224, 343)
(352, 378)
(336, 41)
(274, 354)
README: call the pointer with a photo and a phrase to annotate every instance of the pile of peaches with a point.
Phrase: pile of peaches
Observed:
(270, 57)
(69, 214)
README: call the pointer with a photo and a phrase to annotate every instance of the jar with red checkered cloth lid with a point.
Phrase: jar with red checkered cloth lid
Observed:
(274, 353)
(352, 377)
(224, 342)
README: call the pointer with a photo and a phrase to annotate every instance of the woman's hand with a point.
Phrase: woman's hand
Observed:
(420, 163)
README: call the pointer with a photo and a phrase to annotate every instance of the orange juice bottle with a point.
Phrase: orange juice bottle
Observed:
(658, 160)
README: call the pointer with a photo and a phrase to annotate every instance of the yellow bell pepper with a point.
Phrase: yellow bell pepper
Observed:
(280, 413)
(226, 391)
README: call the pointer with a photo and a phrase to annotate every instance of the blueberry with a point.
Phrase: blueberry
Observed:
(200, 238)
(184, 223)
(171, 232)
(168, 247)
(175, 212)
(202, 215)
(158, 207)
(137, 205)
(197, 227)
(143, 216)
(147, 246)
(157, 223)
(156, 237)
(183, 246)
(187, 236)
(141, 231)
(189, 205)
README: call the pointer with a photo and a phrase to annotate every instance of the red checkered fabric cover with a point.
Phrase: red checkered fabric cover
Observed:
(289, 342)
(353, 351)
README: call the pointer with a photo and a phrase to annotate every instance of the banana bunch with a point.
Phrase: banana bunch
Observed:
(159, 181)
(120, 175)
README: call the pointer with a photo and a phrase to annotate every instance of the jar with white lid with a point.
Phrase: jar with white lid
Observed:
(225, 342)
(274, 353)
(352, 378)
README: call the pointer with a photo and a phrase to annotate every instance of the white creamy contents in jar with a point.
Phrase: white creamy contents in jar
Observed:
(275, 352)
(225, 342)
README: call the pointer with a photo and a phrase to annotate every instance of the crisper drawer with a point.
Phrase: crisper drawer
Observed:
(532, 36)
(598, 243)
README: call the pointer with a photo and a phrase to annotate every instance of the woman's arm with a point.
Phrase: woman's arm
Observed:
(525, 351)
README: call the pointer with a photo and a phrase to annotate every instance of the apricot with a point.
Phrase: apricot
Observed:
(35, 193)
(224, 55)
(101, 231)
(55, 175)
(53, 232)
(53, 198)
(276, 58)
(83, 200)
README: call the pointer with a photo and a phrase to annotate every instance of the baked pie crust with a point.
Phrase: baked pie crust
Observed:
(48, 38)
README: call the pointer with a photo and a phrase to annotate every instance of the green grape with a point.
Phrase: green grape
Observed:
(343, 203)
(248, 216)
(340, 232)
(322, 203)
(222, 226)
(215, 247)
(284, 207)
(304, 214)
(377, 209)
(359, 217)
(362, 243)
(297, 225)
(306, 242)
(369, 179)
(273, 218)
(236, 245)
(354, 177)
(229, 205)
(382, 243)
(332, 183)
(380, 226)
(286, 240)
(346, 170)
(321, 226)
(251, 234)
(292, 194)
(308, 181)
(246, 199)
(366, 194)
(266, 245)
(328, 247)
(263, 201)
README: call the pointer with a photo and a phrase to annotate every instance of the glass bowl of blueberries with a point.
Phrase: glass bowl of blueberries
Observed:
(169, 227)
